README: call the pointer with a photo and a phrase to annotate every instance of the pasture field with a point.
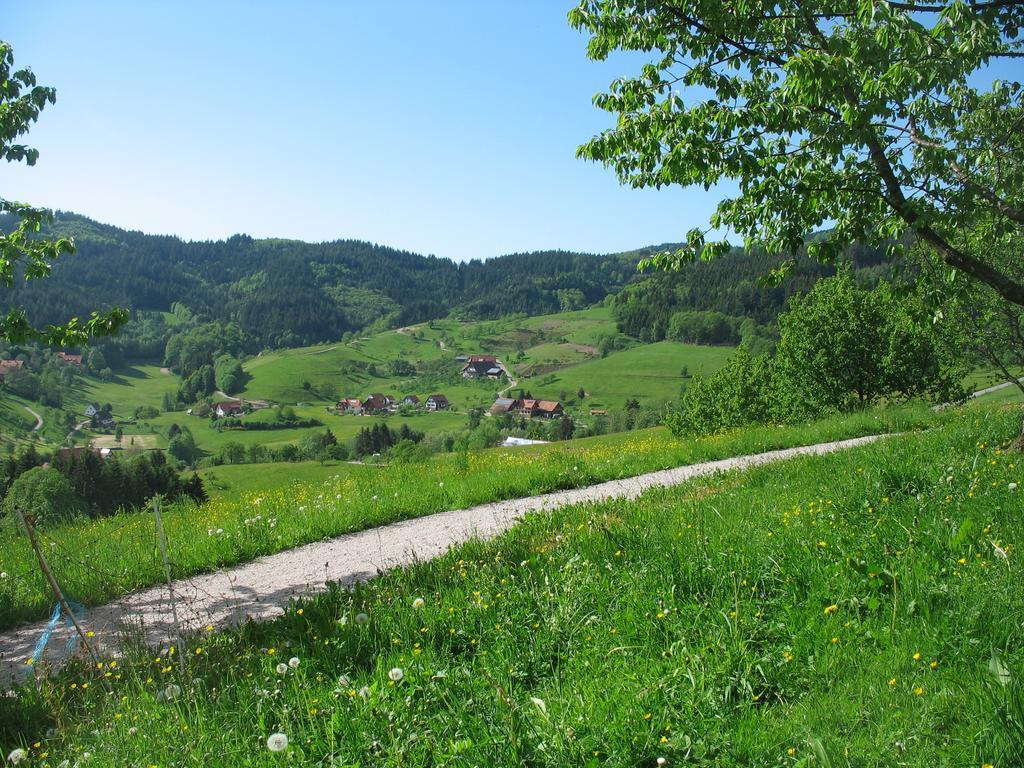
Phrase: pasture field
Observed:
(856, 609)
(235, 480)
(137, 442)
(132, 386)
(97, 560)
(650, 373)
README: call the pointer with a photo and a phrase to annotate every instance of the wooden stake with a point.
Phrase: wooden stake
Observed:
(170, 584)
(26, 520)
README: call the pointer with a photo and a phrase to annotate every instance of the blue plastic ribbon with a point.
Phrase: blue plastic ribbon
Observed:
(78, 611)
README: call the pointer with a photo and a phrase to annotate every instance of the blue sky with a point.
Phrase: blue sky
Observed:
(444, 127)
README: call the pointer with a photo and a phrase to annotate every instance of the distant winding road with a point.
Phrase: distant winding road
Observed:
(39, 419)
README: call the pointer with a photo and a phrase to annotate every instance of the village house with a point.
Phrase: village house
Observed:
(410, 400)
(528, 407)
(377, 403)
(482, 367)
(437, 403)
(350, 405)
(9, 366)
(502, 405)
(228, 408)
(72, 359)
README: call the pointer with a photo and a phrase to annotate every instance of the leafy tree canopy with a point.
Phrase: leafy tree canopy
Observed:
(22, 252)
(860, 113)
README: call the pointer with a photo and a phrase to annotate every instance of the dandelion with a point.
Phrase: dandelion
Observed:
(281, 668)
(418, 603)
(829, 610)
(3, 574)
(16, 756)
(344, 681)
(892, 681)
(293, 662)
(362, 618)
(661, 761)
(364, 692)
(917, 657)
(1012, 486)
(171, 692)
(919, 691)
(277, 742)
(396, 674)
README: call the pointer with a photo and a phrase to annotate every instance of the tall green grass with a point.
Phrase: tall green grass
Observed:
(96, 561)
(856, 609)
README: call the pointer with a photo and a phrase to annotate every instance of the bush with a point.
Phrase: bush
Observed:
(841, 347)
(43, 493)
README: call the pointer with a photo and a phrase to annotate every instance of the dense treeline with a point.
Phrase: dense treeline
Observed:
(91, 485)
(841, 346)
(289, 293)
(708, 302)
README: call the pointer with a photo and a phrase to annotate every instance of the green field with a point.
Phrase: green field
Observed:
(857, 609)
(234, 480)
(367, 496)
(558, 348)
(650, 373)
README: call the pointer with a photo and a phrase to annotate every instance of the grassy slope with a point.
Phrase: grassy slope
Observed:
(742, 620)
(121, 555)
(237, 479)
(559, 341)
(650, 373)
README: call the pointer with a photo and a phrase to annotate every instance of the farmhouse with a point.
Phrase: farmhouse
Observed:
(9, 366)
(502, 405)
(437, 403)
(228, 408)
(72, 359)
(377, 403)
(410, 400)
(482, 367)
(548, 409)
(350, 405)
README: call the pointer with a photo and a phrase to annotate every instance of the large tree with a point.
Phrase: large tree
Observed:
(864, 116)
(24, 254)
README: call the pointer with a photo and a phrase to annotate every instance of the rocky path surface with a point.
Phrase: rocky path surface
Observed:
(261, 589)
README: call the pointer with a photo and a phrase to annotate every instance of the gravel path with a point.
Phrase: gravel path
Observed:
(262, 588)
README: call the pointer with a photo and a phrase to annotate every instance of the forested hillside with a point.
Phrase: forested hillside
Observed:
(284, 293)
(288, 293)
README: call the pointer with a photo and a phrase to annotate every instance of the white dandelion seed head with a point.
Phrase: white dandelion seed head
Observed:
(362, 618)
(15, 756)
(3, 574)
(282, 668)
(172, 691)
(418, 603)
(1012, 486)
(277, 742)
(364, 691)
(396, 674)
(132, 731)
(344, 681)
(293, 662)
(661, 761)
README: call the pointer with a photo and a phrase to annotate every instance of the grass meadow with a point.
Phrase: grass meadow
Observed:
(650, 373)
(857, 609)
(98, 560)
